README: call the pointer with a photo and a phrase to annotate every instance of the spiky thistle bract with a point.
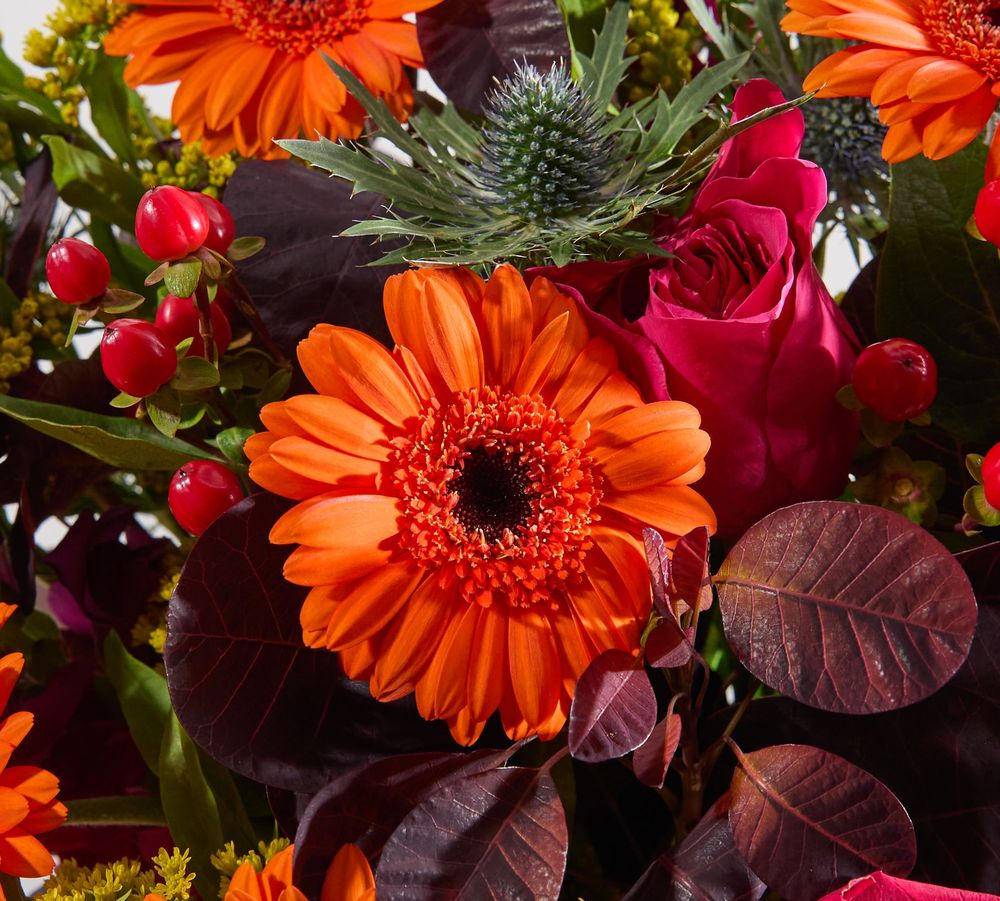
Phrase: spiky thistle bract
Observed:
(452, 187)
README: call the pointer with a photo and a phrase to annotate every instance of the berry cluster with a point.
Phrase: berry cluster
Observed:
(189, 235)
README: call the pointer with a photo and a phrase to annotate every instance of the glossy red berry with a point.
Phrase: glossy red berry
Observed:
(200, 492)
(76, 271)
(178, 319)
(221, 228)
(170, 223)
(136, 357)
(896, 378)
(987, 214)
(991, 476)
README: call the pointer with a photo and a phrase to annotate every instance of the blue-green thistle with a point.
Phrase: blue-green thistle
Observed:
(545, 150)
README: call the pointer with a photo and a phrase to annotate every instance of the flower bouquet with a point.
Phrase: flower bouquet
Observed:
(434, 464)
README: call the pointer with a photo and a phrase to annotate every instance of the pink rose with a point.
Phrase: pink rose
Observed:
(746, 329)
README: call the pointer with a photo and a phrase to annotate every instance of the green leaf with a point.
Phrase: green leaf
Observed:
(142, 694)
(181, 279)
(275, 387)
(688, 107)
(231, 443)
(104, 83)
(119, 301)
(244, 248)
(94, 183)
(194, 374)
(164, 409)
(941, 288)
(123, 401)
(9, 302)
(12, 83)
(603, 72)
(190, 804)
(722, 39)
(117, 440)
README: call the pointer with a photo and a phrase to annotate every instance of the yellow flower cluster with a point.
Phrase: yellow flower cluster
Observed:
(75, 30)
(169, 878)
(227, 860)
(39, 316)
(151, 627)
(191, 171)
(663, 40)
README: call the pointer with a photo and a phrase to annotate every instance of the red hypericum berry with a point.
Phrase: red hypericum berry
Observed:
(200, 492)
(178, 319)
(136, 357)
(221, 228)
(896, 378)
(987, 214)
(76, 271)
(991, 476)
(170, 223)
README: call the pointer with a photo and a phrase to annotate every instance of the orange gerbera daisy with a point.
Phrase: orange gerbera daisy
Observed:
(471, 504)
(28, 802)
(931, 66)
(348, 879)
(253, 70)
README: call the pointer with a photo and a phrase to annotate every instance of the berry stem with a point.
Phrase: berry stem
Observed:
(205, 323)
(246, 306)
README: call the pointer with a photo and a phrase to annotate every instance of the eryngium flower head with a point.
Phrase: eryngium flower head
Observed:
(844, 137)
(545, 152)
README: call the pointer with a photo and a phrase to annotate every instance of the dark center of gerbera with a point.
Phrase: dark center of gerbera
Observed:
(493, 490)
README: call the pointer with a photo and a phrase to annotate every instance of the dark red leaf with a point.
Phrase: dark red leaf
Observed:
(846, 607)
(613, 710)
(982, 566)
(652, 758)
(306, 274)
(690, 580)
(243, 684)
(658, 558)
(38, 203)
(704, 867)
(469, 43)
(500, 834)
(881, 887)
(366, 805)
(669, 645)
(941, 757)
(807, 821)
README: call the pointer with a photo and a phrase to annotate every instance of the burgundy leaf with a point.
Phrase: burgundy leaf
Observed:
(38, 203)
(613, 710)
(807, 821)
(690, 580)
(941, 757)
(243, 684)
(669, 645)
(658, 558)
(500, 834)
(365, 805)
(306, 273)
(652, 758)
(881, 887)
(846, 607)
(468, 44)
(982, 566)
(704, 867)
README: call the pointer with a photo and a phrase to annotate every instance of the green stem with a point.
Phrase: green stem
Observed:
(135, 810)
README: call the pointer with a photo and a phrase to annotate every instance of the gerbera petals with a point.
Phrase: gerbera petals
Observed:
(392, 9)
(942, 80)
(507, 321)
(399, 39)
(273, 477)
(534, 665)
(25, 856)
(358, 519)
(37, 785)
(595, 363)
(355, 612)
(674, 509)
(236, 84)
(11, 666)
(312, 566)
(880, 29)
(538, 362)
(349, 877)
(853, 71)
(323, 84)
(484, 682)
(412, 639)
(13, 809)
(622, 431)
(324, 464)
(373, 376)
(338, 424)
(43, 819)
(655, 459)
(958, 124)
(451, 338)
(441, 690)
